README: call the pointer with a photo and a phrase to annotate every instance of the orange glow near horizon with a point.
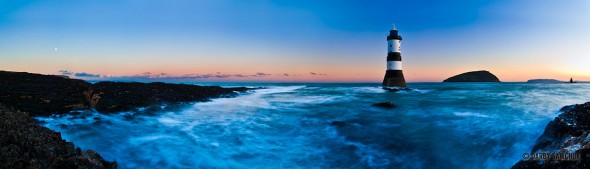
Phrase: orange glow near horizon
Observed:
(326, 74)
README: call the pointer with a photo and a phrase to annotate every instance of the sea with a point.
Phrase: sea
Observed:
(324, 125)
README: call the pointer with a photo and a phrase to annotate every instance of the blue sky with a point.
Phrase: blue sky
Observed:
(341, 40)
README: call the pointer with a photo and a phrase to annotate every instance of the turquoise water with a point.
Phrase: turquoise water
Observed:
(435, 125)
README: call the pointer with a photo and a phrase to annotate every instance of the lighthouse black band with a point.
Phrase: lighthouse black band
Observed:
(394, 74)
(394, 78)
(394, 56)
(393, 35)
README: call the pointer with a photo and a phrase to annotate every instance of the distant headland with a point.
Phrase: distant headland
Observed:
(474, 76)
(543, 81)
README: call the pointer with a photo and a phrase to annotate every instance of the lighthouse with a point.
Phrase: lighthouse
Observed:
(394, 77)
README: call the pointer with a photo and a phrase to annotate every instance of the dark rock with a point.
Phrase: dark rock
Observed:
(475, 76)
(543, 81)
(42, 94)
(392, 89)
(25, 144)
(47, 94)
(567, 133)
(347, 124)
(120, 96)
(384, 104)
(339, 123)
(396, 89)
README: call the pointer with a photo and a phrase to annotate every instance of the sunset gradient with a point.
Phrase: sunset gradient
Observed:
(295, 41)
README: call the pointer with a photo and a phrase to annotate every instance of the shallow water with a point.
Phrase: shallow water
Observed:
(435, 125)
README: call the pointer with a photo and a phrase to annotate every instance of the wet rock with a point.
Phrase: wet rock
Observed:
(395, 89)
(384, 104)
(392, 89)
(339, 123)
(567, 133)
(474, 76)
(25, 144)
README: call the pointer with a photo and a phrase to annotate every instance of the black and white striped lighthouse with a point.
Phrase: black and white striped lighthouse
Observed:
(394, 76)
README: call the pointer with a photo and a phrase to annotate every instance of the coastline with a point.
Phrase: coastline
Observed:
(565, 143)
(26, 144)
(25, 95)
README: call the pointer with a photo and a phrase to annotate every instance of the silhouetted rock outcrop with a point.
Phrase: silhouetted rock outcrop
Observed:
(118, 96)
(475, 76)
(42, 94)
(567, 133)
(384, 104)
(25, 144)
(47, 94)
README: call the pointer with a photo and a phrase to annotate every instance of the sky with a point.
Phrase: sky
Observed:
(295, 41)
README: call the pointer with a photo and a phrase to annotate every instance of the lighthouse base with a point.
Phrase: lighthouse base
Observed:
(394, 78)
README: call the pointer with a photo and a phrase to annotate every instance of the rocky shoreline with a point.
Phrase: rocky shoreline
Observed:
(565, 141)
(23, 95)
(43, 95)
(25, 144)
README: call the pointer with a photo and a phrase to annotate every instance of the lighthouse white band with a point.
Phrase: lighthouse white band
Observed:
(394, 65)
(394, 45)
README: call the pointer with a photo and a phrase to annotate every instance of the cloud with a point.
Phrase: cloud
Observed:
(285, 74)
(186, 76)
(84, 74)
(222, 76)
(218, 75)
(260, 74)
(317, 74)
(77, 74)
(151, 75)
(65, 72)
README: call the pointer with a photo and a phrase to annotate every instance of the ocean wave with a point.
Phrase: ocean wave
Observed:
(464, 114)
(433, 125)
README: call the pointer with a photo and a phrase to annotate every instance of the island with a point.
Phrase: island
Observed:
(543, 81)
(26, 144)
(474, 76)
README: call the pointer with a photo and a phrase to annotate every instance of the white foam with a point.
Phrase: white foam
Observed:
(376, 89)
(573, 148)
(254, 99)
(169, 121)
(470, 114)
